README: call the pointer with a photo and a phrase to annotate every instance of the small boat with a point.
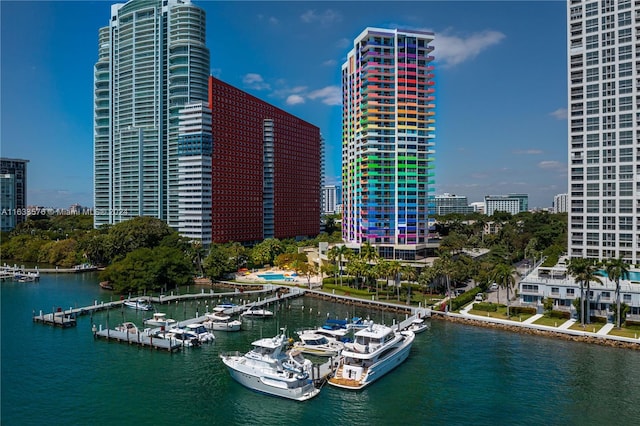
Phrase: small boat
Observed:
(417, 326)
(226, 305)
(160, 319)
(204, 335)
(186, 338)
(140, 305)
(257, 313)
(312, 343)
(268, 368)
(106, 285)
(219, 321)
(376, 350)
(128, 327)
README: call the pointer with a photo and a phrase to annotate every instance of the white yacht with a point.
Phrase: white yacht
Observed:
(139, 304)
(160, 319)
(219, 321)
(417, 326)
(376, 350)
(269, 368)
(313, 343)
(257, 313)
(186, 338)
(204, 335)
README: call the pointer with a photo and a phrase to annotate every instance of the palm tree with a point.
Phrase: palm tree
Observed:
(617, 269)
(368, 253)
(584, 271)
(394, 269)
(504, 276)
(410, 274)
(333, 255)
(339, 252)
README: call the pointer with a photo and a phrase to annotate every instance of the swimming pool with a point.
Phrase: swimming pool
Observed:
(271, 277)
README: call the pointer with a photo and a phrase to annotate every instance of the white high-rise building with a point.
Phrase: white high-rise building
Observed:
(331, 198)
(560, 203)
(604, 177)
(194, 153)
(152, 60)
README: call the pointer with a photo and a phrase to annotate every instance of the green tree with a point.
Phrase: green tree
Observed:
(217, 263)
(137, 233)
(617, 269)
(264, 253)
(504, 276)
(585, 272)
(146, 269)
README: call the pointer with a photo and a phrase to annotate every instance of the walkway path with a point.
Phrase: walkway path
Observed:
(532, 319)
(564, 328)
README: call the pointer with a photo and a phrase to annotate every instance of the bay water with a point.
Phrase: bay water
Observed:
(455, 374)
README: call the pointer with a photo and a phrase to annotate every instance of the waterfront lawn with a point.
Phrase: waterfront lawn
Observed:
(632, 332)
(551, 322)
(501, 313)
(592, 328)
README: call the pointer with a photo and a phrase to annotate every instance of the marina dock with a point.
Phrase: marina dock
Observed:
(141, 338)
(73, 313)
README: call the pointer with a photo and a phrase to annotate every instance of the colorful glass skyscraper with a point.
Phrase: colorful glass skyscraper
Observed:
(388, 141)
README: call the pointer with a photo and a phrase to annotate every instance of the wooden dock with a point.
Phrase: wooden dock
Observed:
(57, 319)
(72, 313)
(140, 338)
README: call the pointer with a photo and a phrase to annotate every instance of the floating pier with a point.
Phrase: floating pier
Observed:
(140, 338)
(57, 319)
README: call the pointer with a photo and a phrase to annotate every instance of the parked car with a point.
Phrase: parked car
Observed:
(494, 286)
(479, 297)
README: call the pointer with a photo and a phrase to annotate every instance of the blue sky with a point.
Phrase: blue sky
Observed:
(500, 84)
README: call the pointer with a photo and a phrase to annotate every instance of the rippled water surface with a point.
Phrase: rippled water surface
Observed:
(455, 374)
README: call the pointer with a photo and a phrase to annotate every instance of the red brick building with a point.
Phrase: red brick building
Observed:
(265, 169)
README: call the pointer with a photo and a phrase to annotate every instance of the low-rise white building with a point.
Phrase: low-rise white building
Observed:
(557, 284)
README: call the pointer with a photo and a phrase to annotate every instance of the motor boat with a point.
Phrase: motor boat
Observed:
(312, 343)
(376, 350)
(160, 319)
(184, 337)
(270, 369)
(257, 313)
(219, 321)
(139, 304)
(204, 335)
(128, 327)
(417, 326)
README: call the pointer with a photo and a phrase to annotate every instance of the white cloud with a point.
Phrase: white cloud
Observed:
(330, 63)
(330, 95)
(216, 72)
(343, 43)
(255, 81)
(550, 164)
(560, 114)
(327, 17)
(453, 50)
(295, 100)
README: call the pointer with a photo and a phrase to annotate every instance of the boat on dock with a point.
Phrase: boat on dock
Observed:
(139, 304)
(257, 313)
(270, 369)
(204, 335)
(418, 325)
(160, 319)
(128, 327)
(312, 343)
(376, 350)
(219, 321)
(184, 337)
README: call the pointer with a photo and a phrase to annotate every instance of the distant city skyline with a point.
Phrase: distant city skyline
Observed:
(501, 121)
